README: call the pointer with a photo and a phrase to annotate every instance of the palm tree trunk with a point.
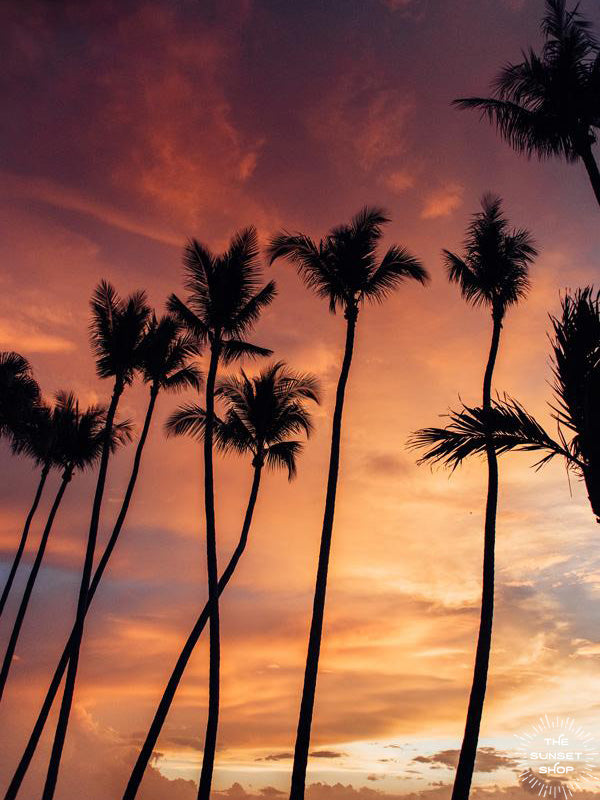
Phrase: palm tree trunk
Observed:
(14, 637)
(212, 724)
(591, 166)
(77, 635)
(40, 723)
(316, 627)
(468, 752)
(182, 662)
(24, 535)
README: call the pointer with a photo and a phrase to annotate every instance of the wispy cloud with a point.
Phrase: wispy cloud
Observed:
(443, 201)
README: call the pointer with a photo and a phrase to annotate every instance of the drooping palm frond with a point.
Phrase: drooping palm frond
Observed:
(511, 428)
(494, 270)
(284, 455)
(548, 104)
(343, 267)
(235, 349)
(576, 366)
(116, 331)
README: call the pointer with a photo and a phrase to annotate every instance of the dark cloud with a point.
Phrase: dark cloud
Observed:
(326, 754)
(488, 759)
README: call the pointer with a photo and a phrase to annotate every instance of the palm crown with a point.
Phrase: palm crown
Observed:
(164, 355)
(79, 435)
(224, 299)
(549, 104)
(494, 268)
(117, 331)
(261, 413)
(343, 267)
(19, 392)
(576, 367)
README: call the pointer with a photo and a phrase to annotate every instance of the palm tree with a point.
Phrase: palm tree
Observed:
(493, 272)
(33, 435)
(224, 301)
(78, 437)
(117, 331)
(22, 422)
(261, 414)
(548, 105)
(342, 268)
(576, 364)
(164, 356)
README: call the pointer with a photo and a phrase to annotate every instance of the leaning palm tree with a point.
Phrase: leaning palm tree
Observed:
(576, 366)
(23, 422)
(78, 442)
(548, 105)
(32, 435)
(260, 416)
(494, 273)
(223, 303)
(342, 268)
(116, 331)
(165, 354)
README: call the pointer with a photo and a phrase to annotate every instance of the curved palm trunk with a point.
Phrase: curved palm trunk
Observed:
(188, 648)
(316, 627)
(212, 724)
(40, 723)
(591, 166)
(24, 535)
(468, 752)
(77, 635)
(14, 637)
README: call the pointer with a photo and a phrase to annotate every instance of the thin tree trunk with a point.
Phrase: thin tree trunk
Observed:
(24, 535)
(316, 627)
(14, 637)
(184, 657)
(40, 723)
(591, 166)
(212, 724)
(77, 635)
(468, 752)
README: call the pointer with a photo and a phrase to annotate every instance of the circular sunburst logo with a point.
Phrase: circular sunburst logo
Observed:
(556, 757)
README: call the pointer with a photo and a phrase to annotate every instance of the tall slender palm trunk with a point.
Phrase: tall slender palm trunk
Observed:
(316, 627)
(24, 535)
(168, 695)
(468, 752)
(212, 724)
(77, 635)
(587, 156)
(14, 637)
(59, 672)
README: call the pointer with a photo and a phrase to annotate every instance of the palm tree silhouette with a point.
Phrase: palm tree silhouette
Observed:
(549, 104)
(164, 365)
(493, 272)
(576, 366)
(116, 331)
(22, 421)
(342, 268)
(78, 442)
(224, 302)
(261, 414)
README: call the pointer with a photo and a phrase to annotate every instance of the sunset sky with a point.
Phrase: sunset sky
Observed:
(130, 126)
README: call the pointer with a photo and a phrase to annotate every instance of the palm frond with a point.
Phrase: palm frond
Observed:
(508, 422)
(234, 349)
(284, 455)
(396, 266)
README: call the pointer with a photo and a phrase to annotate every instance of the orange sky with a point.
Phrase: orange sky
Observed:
(130, 126)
